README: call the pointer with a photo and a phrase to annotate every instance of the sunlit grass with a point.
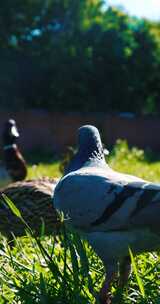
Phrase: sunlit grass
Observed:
(66, 270)
(134, 161)
(41, 169)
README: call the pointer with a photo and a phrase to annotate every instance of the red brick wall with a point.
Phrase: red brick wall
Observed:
(53, 131)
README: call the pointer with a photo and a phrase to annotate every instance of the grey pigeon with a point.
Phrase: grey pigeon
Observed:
(114, 211)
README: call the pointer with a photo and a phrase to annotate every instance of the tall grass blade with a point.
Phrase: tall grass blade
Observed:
(12, 206)
(139, 281)
(74, 261)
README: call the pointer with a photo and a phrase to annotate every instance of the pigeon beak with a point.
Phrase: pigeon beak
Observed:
(105, 151)
(14, 131)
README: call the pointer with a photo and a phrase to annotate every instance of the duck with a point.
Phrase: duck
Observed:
(13, 167)
(33, 198)
(113, 211)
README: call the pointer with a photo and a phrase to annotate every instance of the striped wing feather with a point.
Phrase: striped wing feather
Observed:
(106, 202)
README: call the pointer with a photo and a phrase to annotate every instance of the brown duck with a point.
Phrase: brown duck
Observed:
(14, 167)
(33, 198)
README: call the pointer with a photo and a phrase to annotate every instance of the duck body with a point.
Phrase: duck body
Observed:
(15, 163)
(14, 167)
(113, 211)
(33, 198)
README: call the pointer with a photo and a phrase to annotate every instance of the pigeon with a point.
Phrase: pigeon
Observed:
(112, 210)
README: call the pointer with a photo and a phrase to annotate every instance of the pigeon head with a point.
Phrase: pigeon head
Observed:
(90, 149)
(89, 141)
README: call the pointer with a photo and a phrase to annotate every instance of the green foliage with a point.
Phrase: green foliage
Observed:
(134, 161)
(140, 284)
(44, 271)
(122, 153)
(12, 206)
(121, 158)
(77, 55)
(44, 169)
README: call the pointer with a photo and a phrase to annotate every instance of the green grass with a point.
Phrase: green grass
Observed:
(135, 161)
(44, 169)
(66, 270)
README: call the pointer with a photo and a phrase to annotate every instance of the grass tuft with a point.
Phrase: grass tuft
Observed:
(65, 269)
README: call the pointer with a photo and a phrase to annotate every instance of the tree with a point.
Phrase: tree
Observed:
(74, 55)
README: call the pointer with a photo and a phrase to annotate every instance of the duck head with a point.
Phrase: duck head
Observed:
(90, 149)
(10, 132)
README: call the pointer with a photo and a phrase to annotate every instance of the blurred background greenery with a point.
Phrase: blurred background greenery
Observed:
(70, 55)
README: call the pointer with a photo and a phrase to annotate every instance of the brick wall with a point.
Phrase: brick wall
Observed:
(53, 131)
